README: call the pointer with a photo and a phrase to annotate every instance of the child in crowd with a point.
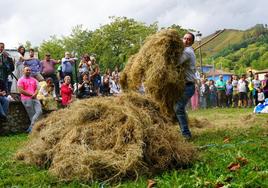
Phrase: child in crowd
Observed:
(115, 88)
(261, 96)
(47, 95)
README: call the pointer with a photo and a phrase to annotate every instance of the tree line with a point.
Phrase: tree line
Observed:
(112, 44)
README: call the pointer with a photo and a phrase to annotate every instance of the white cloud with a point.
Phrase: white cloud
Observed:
(36, 20)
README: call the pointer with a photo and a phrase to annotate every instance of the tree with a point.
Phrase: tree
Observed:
(78, 41)
(114, 43)
(54, 46)
(181, 31)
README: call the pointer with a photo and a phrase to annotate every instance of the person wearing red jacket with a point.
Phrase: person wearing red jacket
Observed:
(66, 91)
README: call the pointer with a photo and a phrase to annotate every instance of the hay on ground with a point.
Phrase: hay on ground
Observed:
(199, 122)
(107, 139)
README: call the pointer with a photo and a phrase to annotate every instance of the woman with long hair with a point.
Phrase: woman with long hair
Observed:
(18, 72)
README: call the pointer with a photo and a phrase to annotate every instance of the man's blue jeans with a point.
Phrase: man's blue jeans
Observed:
(3, 106)
(180, 109)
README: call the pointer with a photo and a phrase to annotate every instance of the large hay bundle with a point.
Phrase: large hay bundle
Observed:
(157, 66)
(126, 136)
(107, 139)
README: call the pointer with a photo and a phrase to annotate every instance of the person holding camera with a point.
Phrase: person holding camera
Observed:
(67, 66)
(84, 87)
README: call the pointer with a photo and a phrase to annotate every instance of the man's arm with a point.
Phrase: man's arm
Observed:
(184, 57)
(96, 71)
(22, 91)
(41, 66)
(64, 60)
(35, 94)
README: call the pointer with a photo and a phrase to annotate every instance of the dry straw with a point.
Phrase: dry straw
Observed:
(111, 138)
(157, 65)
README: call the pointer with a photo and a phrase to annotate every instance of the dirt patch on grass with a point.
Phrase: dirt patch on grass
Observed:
(199, 123)
(225, 119)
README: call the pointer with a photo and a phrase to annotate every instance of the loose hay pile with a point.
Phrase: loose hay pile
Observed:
(117, 137)
(157, 66)
(107, 139)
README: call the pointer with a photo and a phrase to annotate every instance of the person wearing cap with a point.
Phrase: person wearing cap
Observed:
(48, 71)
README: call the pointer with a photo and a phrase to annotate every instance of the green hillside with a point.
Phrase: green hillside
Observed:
(229, 37)
(251, 51)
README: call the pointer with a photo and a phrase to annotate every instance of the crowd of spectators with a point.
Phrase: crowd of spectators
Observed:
(243, 91)
(50, 84)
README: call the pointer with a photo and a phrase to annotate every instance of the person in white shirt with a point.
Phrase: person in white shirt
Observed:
(235, 91)
(261, 96)
(115, 86)
(242, 89)
(256, 84)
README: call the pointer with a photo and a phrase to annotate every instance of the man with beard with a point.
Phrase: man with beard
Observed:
(28, 88)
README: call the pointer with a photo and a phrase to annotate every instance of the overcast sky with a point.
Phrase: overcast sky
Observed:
(36, 20)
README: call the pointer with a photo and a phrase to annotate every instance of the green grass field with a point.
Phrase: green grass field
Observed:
(230, 136)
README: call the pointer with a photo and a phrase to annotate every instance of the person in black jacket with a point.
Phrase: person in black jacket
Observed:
(4, 103)
(6, 65)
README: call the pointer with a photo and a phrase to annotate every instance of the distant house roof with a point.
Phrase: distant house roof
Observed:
(217, 72)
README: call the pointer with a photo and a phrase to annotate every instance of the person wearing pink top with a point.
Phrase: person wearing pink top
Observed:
(195, 98)
(28, 88)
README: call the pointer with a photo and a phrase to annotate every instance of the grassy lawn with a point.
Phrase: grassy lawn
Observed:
(227, 136)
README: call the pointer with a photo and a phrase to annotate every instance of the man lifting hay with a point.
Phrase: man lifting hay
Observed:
(190, 77)
(167, 66)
